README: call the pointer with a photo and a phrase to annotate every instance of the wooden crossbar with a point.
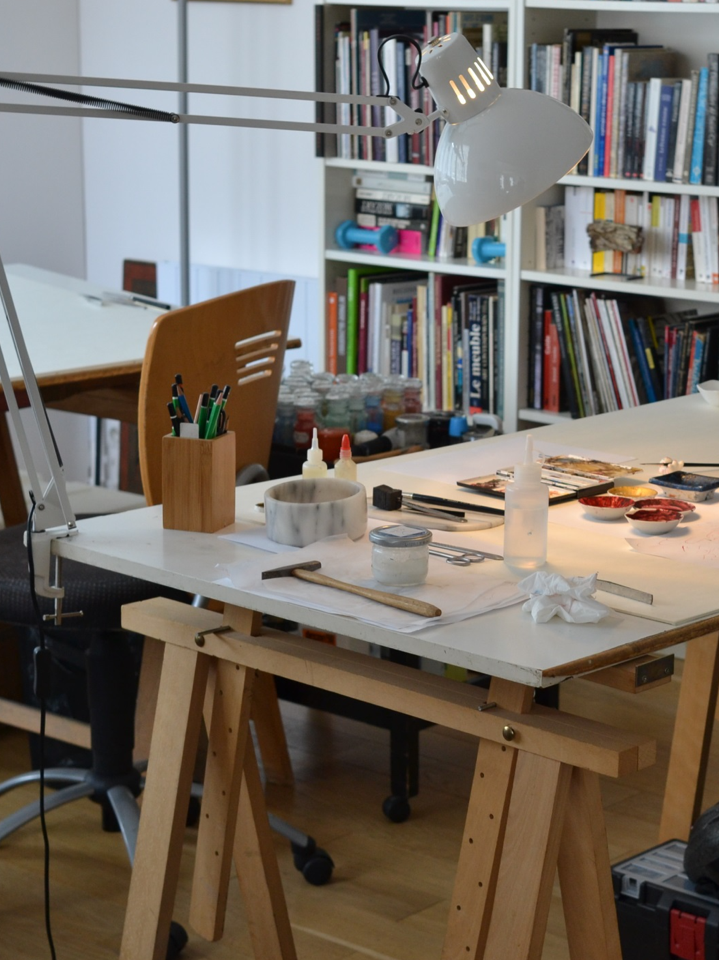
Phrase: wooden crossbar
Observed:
(549, 733)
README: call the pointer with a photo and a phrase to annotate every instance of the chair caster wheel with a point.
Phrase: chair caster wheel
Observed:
(314, 863)
(177, 941)
(396, 809)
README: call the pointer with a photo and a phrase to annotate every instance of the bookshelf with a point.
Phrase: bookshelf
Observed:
(689, 28)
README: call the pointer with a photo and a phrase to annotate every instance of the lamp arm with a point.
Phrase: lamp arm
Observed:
(410, 121)
(53, 514)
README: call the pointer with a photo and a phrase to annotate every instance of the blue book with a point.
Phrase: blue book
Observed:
(663, 129)
(695, 170)
(642, 359)
(600, 133)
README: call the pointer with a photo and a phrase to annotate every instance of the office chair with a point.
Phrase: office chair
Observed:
(238, 339)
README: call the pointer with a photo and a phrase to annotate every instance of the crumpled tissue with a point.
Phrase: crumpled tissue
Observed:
(568, 597)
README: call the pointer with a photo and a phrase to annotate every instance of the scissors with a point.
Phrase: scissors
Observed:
(466, 551)
(459, 559)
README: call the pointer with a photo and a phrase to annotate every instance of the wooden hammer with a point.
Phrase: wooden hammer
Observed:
(306, 571)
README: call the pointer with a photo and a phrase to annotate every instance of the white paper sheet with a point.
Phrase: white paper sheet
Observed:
(465, 460)
(693, 545)
(460, 592)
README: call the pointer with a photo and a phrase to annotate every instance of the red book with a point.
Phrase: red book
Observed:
(551, 376)
(363, 325)
(332, 332)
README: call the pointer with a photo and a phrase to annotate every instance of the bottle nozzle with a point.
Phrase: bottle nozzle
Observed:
(529, 449)
(345, 449)
(314, 454)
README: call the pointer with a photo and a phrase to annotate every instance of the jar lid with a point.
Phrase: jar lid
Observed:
(400, 535)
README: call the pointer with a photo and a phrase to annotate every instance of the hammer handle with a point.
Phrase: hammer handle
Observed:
(409, 604)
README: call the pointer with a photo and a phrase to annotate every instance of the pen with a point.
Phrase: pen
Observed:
(211, 431)
(443, 502)
(204, 404)
(179, 391)
(686, 464)
(174, 419)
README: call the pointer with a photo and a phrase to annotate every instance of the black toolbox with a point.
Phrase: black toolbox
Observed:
(663, 915)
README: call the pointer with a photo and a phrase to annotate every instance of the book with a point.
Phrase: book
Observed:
(682, 128)
(697, 160)
(331, 314)
(712, 121)
(568, 380)
(353, 313)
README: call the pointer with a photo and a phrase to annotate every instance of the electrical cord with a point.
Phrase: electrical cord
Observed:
(41, 658)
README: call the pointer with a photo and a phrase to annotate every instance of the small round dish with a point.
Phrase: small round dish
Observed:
(654, 521)
(635, 492)
(710, 392)
(605, 507)
(665, 503)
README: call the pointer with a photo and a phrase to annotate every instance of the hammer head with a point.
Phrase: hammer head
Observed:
(289, 570)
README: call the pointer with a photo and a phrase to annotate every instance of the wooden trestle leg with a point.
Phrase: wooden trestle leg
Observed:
(164, 807)
(527, 814)
(692, 737)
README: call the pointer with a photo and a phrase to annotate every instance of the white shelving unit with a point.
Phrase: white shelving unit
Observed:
(690, 28)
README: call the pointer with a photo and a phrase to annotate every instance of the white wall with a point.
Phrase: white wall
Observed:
(254, 194)
(41, 193)
(42, 215)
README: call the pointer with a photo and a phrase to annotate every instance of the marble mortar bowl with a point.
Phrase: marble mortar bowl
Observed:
(299, 512)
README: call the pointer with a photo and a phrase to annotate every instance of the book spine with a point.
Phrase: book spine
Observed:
(690, 126)
(331, 314)
(697, 161)
(663, 122)
(673, 129)
(567, 378)
(712, 121)
(641, 359)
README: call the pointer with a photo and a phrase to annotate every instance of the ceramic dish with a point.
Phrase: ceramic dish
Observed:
(634, 492)
(710, 392)
(669, 503)
(606, 507)
(654, 521)
(688, 486)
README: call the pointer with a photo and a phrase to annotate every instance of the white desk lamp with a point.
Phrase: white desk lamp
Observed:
(499, 149)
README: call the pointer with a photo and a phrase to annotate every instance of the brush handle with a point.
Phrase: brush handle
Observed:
(409, 604)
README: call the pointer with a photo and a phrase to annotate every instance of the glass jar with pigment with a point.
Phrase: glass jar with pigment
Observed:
(400, 554)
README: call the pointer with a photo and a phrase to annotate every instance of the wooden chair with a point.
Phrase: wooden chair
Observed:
(238, 339)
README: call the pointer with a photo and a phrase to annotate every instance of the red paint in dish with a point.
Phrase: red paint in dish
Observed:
(665, 503)
(656, 516)
(606, 501)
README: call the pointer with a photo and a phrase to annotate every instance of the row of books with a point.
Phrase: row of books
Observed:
(406, 202)
(649, 122)
(357, 71)
(680, 234)
(446, 330)
(592, 354)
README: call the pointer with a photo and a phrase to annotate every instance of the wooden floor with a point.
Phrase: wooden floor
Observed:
(388, 899)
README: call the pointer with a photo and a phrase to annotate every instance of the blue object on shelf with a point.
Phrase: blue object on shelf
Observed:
(348, 235)
(487, 248)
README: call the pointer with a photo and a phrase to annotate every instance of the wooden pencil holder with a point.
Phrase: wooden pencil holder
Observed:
(198, 483)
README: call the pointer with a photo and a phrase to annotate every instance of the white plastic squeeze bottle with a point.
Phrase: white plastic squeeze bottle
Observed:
(345, 467)
(526, 514)
(314, 466)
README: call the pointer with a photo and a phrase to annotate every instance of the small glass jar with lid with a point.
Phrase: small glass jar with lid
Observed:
(301, 368)
(392, 400)
(413, 395)
(400, 554)
(305, 421)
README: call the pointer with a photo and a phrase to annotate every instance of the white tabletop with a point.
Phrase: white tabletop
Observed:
(65, 332)
(505, 643)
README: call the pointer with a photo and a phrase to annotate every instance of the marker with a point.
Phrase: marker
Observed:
(211, 431)
(179, 392)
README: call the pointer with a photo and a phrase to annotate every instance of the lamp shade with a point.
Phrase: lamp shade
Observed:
(499, 148)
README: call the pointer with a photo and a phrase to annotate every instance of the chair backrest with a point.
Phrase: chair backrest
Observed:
(238, 339)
